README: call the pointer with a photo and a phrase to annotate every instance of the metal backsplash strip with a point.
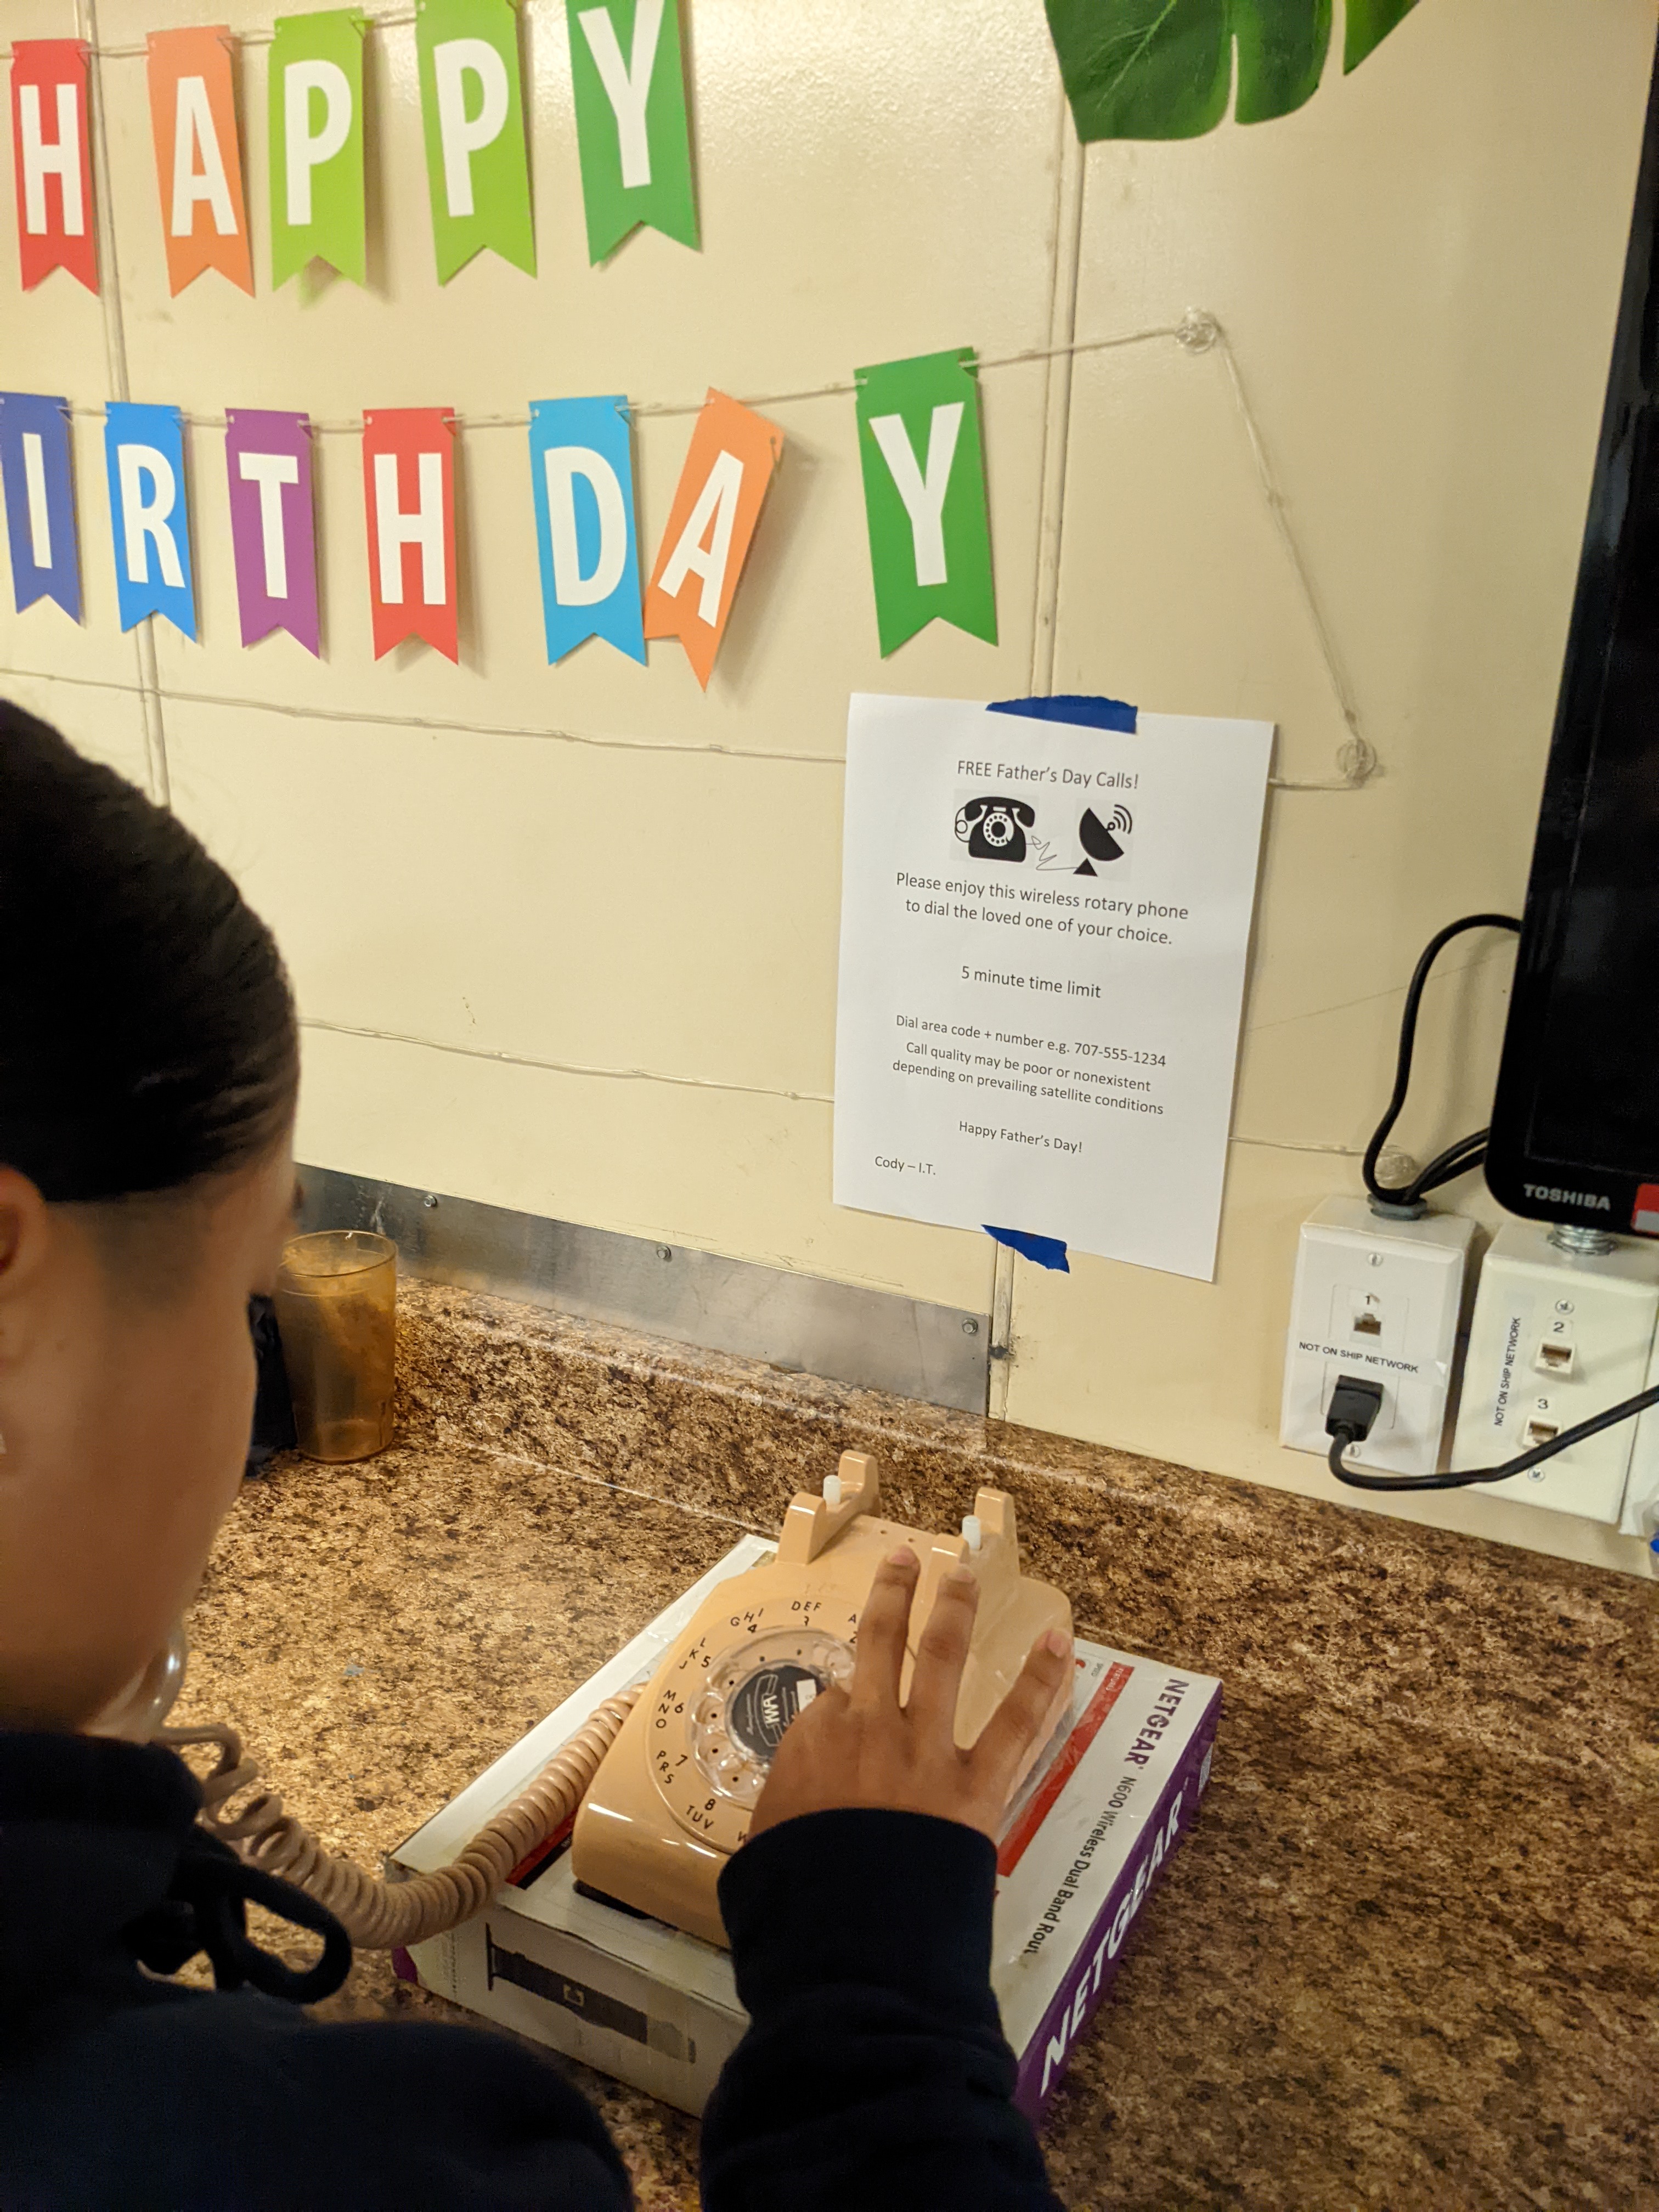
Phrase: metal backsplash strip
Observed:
(804, 1323)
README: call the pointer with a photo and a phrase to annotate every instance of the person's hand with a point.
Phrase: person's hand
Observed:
(861, 1746)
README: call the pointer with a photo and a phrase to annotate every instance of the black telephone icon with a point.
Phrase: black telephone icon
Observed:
(994, 829)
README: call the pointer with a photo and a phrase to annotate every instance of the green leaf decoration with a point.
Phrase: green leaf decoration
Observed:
(1164, 68)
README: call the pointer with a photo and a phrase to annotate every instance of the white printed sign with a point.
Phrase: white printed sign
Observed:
(1042, 945)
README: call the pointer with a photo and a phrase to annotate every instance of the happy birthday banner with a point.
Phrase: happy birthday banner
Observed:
(633, 135)
(925, 502)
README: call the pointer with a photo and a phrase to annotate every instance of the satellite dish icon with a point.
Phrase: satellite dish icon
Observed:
(1100, 840)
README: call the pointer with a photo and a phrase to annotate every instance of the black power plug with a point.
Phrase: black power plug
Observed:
(1355, 1404)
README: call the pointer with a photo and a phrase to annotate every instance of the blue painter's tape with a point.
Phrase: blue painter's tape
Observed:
(1073, 707)
(1047, 1251)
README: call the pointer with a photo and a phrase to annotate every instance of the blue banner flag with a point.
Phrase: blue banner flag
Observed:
(144, 447)
(35, 460)
(581, 471)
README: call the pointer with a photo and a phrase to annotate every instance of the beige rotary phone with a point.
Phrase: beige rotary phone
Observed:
(668, 1777)
(672, 1798)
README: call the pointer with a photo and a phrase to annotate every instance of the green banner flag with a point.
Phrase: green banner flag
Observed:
(632, 129)
(478, 166)
(924, 496)
(316, 110)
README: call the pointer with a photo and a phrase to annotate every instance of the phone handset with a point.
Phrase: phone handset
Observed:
(673, 1797)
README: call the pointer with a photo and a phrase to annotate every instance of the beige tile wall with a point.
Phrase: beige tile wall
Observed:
(567, 938)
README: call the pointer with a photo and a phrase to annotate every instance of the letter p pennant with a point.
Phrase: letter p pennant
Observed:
(924, 496)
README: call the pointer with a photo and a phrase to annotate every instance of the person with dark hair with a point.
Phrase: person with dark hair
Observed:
(149, 1070)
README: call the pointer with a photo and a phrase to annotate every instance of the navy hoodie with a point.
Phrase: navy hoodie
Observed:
(874, 2073)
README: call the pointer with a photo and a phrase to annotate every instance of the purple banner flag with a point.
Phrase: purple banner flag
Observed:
(272, 525)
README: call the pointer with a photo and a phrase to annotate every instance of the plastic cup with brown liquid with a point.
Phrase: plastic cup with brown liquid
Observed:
(337, 1300)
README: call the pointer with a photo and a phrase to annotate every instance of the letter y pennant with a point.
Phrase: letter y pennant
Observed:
(924, 496)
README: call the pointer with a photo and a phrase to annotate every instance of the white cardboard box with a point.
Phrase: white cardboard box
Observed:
(1084, 1847)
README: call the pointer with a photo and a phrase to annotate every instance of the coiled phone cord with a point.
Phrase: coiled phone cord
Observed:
(377, 1915)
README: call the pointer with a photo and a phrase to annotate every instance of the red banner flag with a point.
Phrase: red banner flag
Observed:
(51, 158)
(198, 161)
(733, 455)
(408, 487)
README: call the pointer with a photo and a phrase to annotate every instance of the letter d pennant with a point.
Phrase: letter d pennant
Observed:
(924, 496)
(582, 481)
(409, 486)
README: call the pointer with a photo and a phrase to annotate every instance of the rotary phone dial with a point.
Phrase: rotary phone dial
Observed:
(674, 1795)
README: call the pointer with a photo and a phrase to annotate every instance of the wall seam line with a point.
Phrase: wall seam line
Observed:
(115, 353)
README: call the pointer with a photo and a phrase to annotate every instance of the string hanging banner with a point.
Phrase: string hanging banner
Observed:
(52, 160)
(198, 161)
(35, 460)
(733, 456)
(409, 488)
(144, 452)
(924, 496)
(472, 114)
(315, 105)
(581, 476)
(273, 530)
(633, 130)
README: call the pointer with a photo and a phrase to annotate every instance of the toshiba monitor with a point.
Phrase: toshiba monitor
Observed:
(1575, 1128)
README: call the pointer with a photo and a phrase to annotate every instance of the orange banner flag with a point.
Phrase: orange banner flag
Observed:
(734, 454)
(199, 157)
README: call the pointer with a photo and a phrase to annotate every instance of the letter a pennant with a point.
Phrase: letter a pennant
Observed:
(472, 107)
(52, 157)
(734, 454)
(198, 161)
(316, 115)
(924, 496)
(632, 133)
(409, 485)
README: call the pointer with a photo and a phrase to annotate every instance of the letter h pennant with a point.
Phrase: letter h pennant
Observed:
(408, 487)
(924, 496)
(51, 156)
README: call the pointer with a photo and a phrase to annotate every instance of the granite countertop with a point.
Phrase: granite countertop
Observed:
(1408, 1956)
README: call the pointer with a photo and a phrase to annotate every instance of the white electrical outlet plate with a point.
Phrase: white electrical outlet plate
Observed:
(1556, 1337)
(1377, 1299)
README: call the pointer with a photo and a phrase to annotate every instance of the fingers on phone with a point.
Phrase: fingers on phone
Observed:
(942, 1650)
(883, 1627)
(1017, 1720)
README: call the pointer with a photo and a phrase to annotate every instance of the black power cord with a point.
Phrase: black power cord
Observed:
(1357, 1401)
(1468, 1151)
